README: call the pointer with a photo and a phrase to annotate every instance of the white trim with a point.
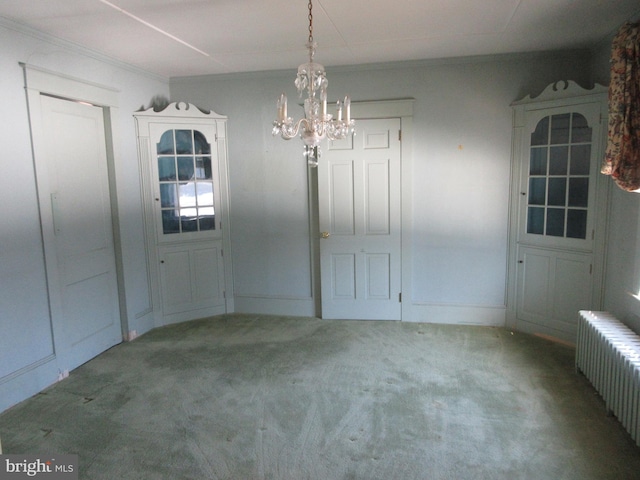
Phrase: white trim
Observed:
(52, 83)
(181, 110)
(561, 91)
(489, 316)
(275, 305)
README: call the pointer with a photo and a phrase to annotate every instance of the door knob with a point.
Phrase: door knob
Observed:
(325, 234)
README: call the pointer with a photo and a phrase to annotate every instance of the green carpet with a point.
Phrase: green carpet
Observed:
(258, 397)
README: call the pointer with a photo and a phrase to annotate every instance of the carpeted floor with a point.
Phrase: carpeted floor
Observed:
(257, 397)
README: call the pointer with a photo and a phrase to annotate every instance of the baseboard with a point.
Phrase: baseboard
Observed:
(297, 307)
(16, 388)
(490, 316)
(542, 331)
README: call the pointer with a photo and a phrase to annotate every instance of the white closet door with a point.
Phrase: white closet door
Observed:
(82, 274)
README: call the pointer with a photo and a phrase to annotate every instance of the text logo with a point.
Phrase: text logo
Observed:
(49, 467)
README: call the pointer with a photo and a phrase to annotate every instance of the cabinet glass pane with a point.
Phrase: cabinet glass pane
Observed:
(560, 128)
(166, 168)
(184, 142)
(535, 220)
(202, 147)
(165, 145)
(203, 168)
(188, 197)
(185, 168)
(538, 161)
(170, 221)
(557, 192)
(580, 159)
(204, 191)
(207, 222)
(580, 130)
(537, 191)
(578, 192)
(576, 223)
(540, 136)
(559, 160)
(555, 222)
(188, 223)
(168, 197)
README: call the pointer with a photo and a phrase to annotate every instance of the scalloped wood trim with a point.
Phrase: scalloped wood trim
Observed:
(181, 110)
(563, 89)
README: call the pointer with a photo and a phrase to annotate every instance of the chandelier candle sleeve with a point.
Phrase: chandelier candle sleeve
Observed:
(282, 108)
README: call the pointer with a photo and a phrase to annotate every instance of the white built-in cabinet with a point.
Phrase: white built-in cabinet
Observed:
(558, 209)
(183, 166)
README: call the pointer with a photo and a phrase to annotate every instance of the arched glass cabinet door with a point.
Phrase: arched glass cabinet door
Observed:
(559, 168)
(186, 183)
(558, 174)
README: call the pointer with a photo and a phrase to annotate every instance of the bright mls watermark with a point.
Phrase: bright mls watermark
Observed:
(49, 467)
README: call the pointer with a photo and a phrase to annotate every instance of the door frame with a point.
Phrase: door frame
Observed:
(38, 82)
(562, 94)
(402, 109)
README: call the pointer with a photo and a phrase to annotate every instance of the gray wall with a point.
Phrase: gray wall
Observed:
(460, 178)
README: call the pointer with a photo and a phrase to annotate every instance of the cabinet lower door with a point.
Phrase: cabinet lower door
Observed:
(553, 286)
(192, 280)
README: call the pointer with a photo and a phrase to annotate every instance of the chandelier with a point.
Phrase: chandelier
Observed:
(317, 124)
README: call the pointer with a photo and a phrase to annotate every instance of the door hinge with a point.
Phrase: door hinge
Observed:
(399, 135)
(593, 234)
(590, 269)
(224, 294)
(221, 252)
(400, 297)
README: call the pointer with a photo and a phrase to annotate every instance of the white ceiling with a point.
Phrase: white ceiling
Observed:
(195, 37)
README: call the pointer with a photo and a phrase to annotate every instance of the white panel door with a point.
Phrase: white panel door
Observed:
(82, 280)
(359, 199)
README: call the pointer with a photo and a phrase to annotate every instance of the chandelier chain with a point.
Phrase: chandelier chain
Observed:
(310, 22)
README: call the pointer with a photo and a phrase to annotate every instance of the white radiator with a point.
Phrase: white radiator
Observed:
(608, 354)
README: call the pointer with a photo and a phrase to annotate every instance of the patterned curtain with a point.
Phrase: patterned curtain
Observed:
(622, 157)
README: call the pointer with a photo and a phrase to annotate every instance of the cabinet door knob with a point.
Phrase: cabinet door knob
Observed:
(325, 234)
